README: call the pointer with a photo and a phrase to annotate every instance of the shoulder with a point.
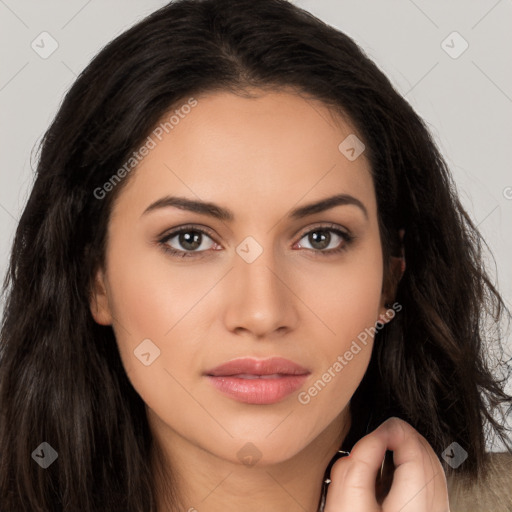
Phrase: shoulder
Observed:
(492, 494)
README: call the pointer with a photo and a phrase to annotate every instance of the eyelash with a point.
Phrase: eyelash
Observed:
(348, 239)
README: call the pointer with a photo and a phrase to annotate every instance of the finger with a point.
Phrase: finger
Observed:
(352, 487)
(419, 482)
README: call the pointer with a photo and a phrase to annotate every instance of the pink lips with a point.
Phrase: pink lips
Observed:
(257, 381)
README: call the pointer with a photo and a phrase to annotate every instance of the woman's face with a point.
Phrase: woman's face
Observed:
(264, 281)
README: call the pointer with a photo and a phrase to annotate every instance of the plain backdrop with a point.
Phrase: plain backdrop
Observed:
(450, 60)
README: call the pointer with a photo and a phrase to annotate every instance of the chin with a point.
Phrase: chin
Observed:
(263, 451)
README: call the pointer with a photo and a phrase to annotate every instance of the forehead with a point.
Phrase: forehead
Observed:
(278, 149)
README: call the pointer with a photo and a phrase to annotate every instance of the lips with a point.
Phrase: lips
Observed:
(253, 368)
(258, 382)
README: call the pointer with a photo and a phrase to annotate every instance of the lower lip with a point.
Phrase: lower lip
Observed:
(258, 391)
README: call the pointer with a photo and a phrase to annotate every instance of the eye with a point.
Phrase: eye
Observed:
(189, 240)
(321, 237)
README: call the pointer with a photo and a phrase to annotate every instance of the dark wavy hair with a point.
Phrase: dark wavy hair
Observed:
(61, 376)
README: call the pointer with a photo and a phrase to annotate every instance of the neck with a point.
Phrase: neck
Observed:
(204, 482)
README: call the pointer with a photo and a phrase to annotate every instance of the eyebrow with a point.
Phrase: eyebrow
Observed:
(218, 212)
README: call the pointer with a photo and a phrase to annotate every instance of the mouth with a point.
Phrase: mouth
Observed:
(258, 382)
(253, 376)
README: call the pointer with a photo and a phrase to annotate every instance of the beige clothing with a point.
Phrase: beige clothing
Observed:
(491, 495)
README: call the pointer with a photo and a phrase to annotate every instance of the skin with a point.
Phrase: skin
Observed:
(277, 152)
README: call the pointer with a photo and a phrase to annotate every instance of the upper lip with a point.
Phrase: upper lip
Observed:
(274, 365)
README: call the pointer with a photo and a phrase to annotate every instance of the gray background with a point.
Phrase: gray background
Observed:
(466, 101)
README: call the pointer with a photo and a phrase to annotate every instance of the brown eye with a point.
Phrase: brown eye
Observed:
(186, 242)
(327, 240)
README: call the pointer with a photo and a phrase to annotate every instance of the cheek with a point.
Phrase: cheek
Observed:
(149, 296)
(150, 300)
(345, 295)
(347, 300)
(342, 355)
(155, 309)
(330, 390)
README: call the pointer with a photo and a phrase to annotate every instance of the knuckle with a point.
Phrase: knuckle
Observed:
(401, 428)
(339, 469)
(350, 471)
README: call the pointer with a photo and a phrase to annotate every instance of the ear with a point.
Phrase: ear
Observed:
(99, 304)
(395, 274)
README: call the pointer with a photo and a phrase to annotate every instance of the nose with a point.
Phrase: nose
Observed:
(261, 301)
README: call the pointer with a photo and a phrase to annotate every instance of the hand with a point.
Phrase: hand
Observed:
(419, 482)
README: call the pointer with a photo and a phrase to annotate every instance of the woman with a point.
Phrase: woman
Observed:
(243, 259)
